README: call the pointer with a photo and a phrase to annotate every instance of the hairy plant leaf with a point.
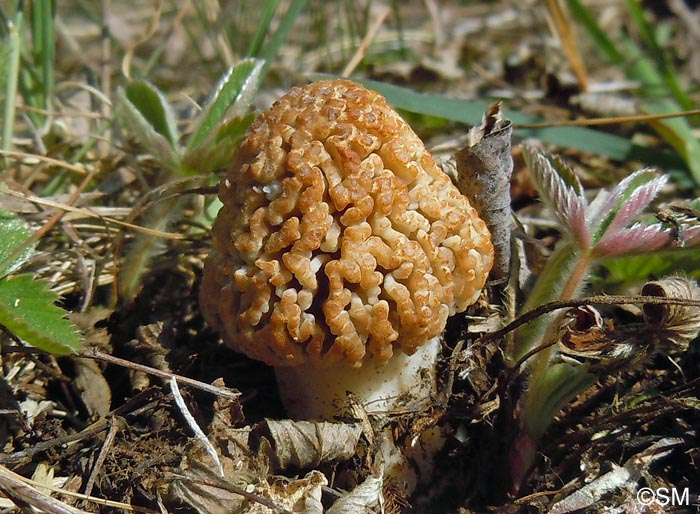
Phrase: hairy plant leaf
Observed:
(550, 391)
(561, 191)
(231, 98)
(219, 149)
(638, 200)
(639, 238)
(605, 209)
(548, 288)
(13, 234)
(155, 109)
(27, 310)
(154, 141)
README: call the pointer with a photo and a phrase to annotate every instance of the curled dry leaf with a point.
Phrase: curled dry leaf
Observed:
(294, 495)
(484, 168)
(248, 455)
(306, 444)
(680, 322)
(360, 500)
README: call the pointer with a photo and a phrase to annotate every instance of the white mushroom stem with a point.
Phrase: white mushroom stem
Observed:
(406, 382)
(322, 393)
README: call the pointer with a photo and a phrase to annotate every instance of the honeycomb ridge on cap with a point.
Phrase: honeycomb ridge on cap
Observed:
(339, 236)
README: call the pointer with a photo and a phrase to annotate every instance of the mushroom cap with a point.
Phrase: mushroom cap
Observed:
(339, 238)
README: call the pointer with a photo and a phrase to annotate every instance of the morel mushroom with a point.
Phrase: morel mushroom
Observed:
(340, 251)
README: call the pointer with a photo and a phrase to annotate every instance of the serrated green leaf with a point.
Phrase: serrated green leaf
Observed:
(27, 309)
(13, 234)
(155, 109)
(231, 97)
(130, 117)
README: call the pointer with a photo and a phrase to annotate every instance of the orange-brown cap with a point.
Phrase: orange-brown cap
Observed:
(339, 237)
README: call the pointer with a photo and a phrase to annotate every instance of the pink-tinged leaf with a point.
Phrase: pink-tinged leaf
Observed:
(606, 207)
(639, 238)
(561, 191)
(691, 235)
(636, 203)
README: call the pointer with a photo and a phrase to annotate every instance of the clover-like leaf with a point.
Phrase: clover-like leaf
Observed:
(13, 235)
(28, 310)
(561, 190)
(231, 98)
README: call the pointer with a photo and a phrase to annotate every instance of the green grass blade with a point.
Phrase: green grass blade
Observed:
(662, 64)
(606, 45)
(263, 27)
(678, 133)
(44, 47)
(12, 69)
(269, 52)
(579, 138)
(28, 310)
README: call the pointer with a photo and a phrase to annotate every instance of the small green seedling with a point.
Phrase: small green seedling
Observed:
(210, 145)
(609, 226)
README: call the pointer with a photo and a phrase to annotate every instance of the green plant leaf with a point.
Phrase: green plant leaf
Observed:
(130, 115)
(231, 97)
(218, 151)
(155, 109)
(11, 72)
(677, 132)
(27, 310)
(602, 212)
(550, 391)
(597, 33)
(629, 270)
(13, 235)
(548, 288)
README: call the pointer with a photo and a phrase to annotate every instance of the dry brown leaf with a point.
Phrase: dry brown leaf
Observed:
(306, 444)
(93, 387)
(360, 500)
(296, 495)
